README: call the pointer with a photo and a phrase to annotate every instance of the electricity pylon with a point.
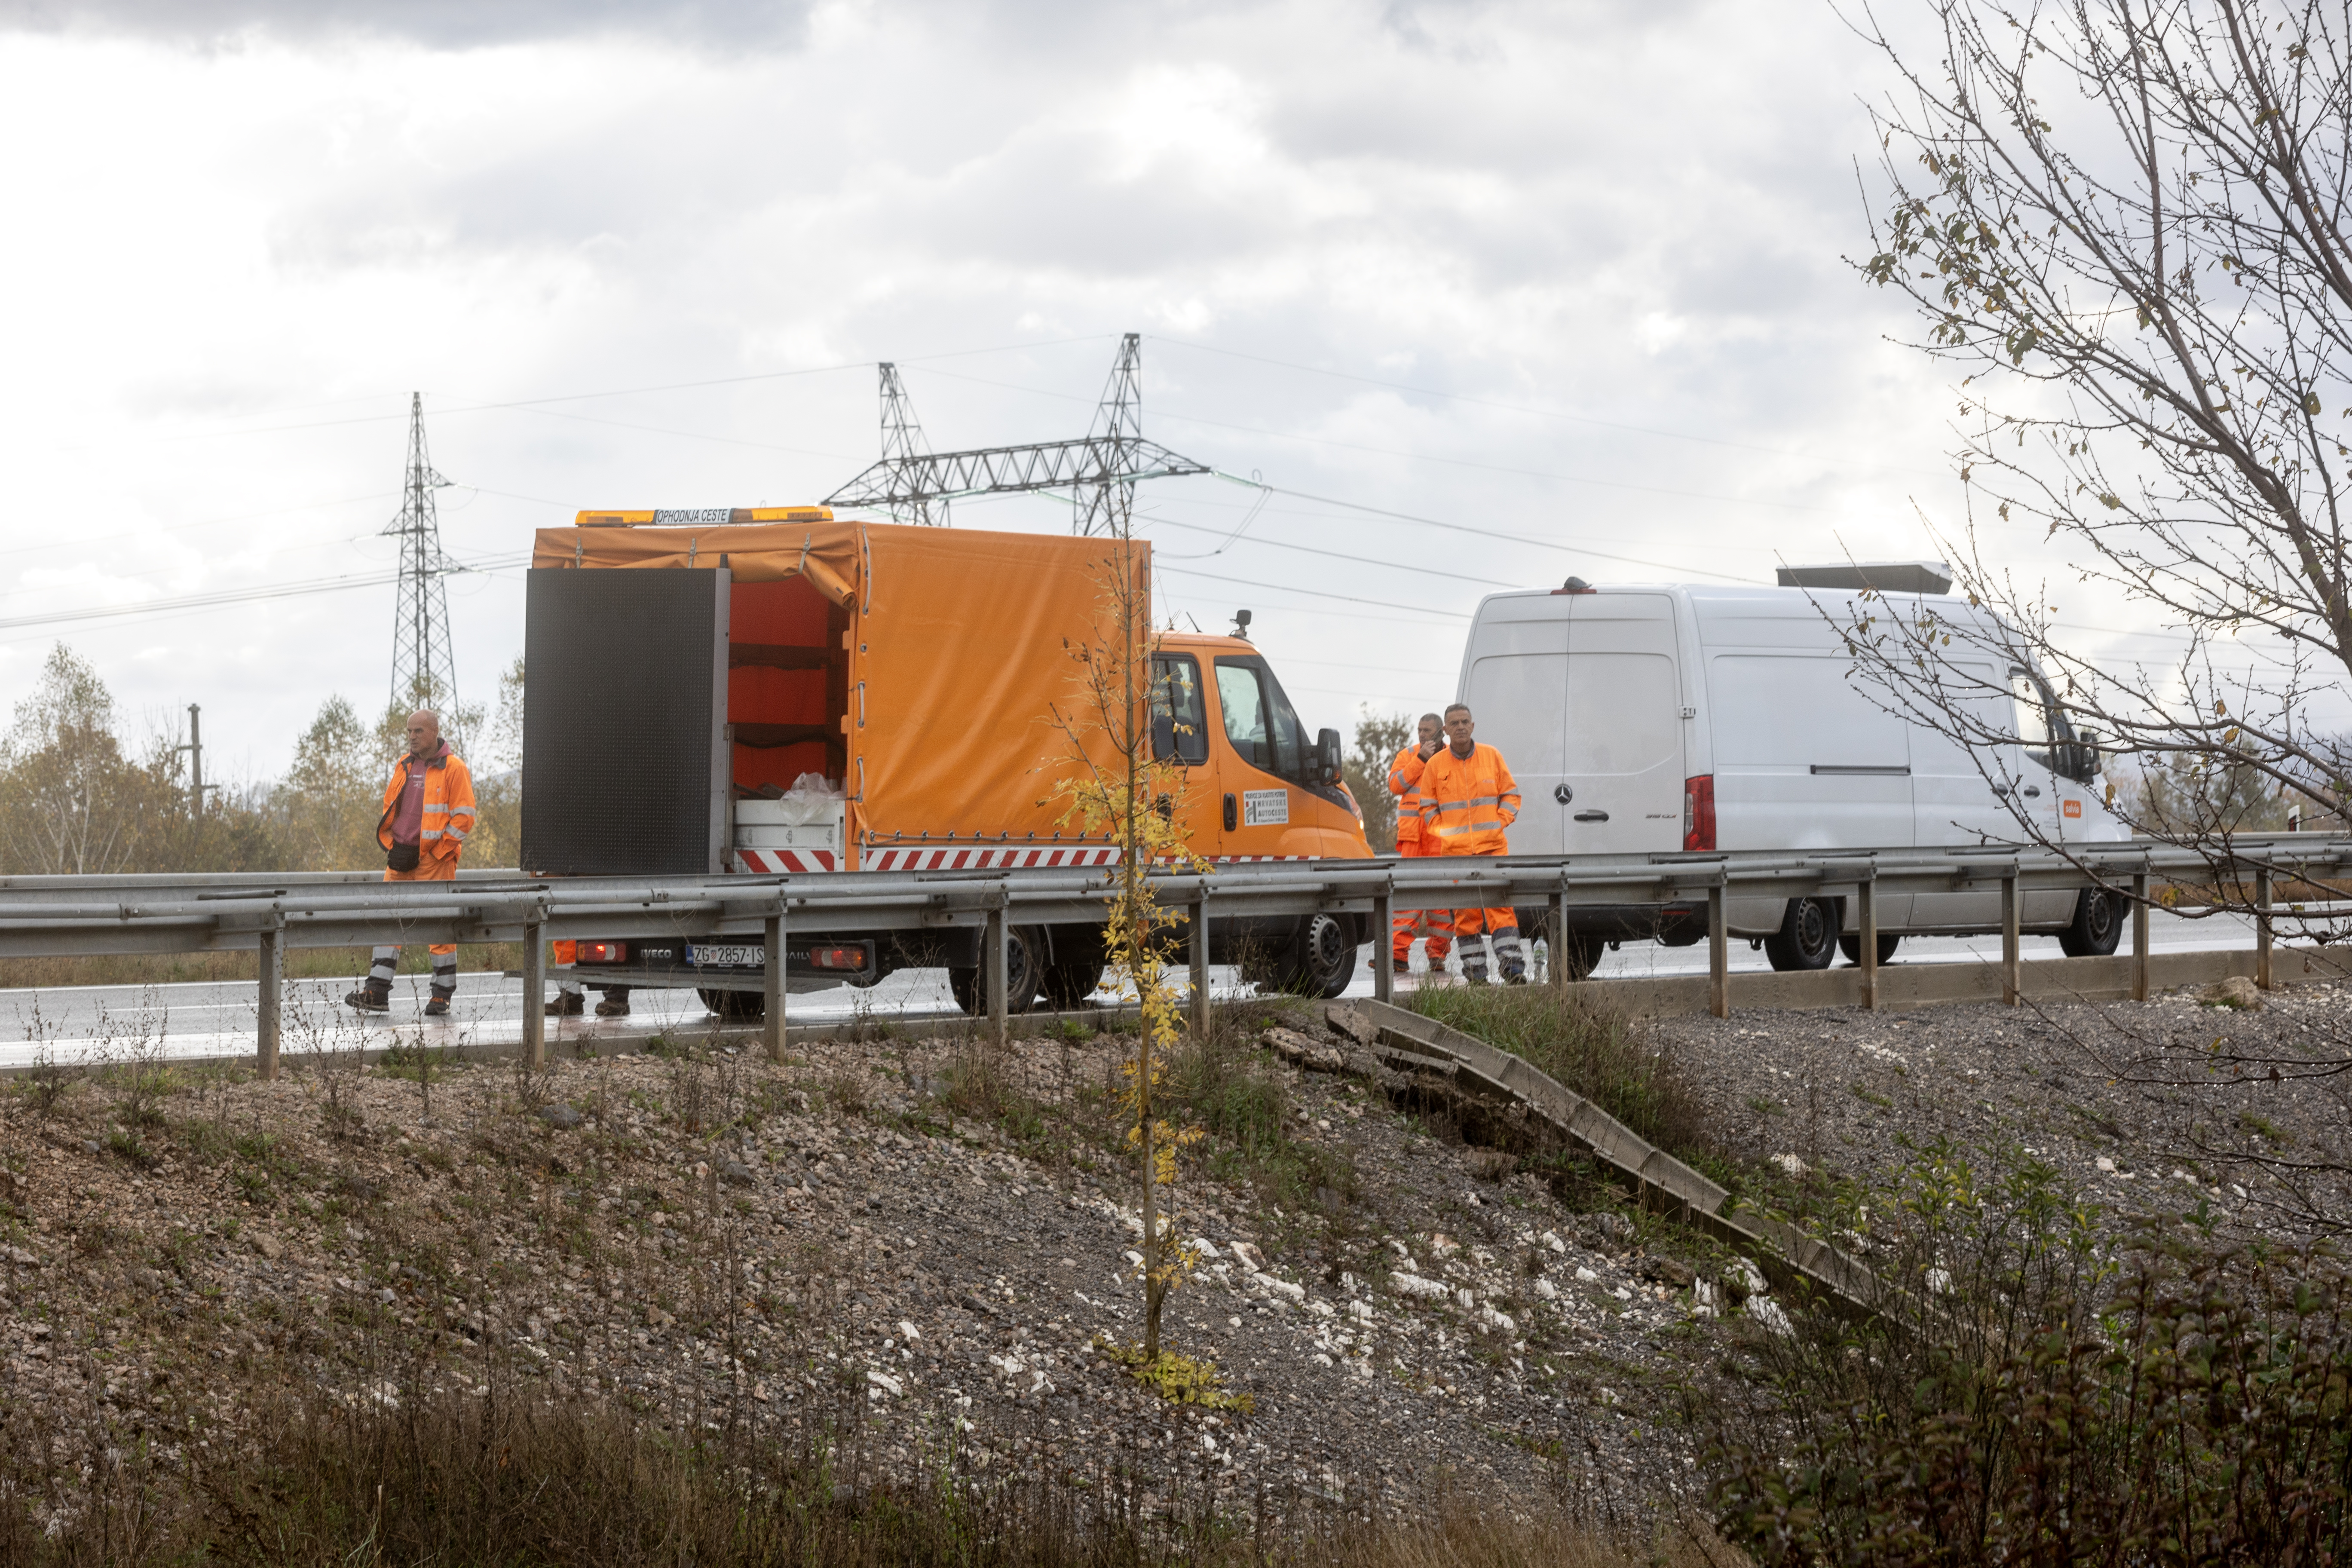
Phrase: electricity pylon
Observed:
(424, 670)
(902, 442)
(1100, 470)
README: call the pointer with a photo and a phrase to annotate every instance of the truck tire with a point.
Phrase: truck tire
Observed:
(1025, 974)
(2097, 925)
(1320, 960)
(1806, 938)
(1851, 947)
(736, 1006)
(1078, 966)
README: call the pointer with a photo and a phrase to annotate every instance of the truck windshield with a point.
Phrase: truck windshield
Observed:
(1259, 720)
(1180, 725)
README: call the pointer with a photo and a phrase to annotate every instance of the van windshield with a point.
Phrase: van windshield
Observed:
(1259, 720)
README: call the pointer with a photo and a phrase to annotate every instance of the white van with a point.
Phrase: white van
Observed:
(1643, 719)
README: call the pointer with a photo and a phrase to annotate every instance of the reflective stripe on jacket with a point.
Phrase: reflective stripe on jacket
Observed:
(1404, 773)
(449, 806)
(1466, 803)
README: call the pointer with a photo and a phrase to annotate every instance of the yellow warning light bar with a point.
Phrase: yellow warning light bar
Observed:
(704, 517)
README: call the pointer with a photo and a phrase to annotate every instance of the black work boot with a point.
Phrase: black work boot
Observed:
(373, 996)
(567, 1005)
(616, 1004)
(436, 1007)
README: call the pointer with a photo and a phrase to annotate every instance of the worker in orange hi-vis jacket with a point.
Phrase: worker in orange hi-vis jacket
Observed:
(1468, 800)
(1437, 925)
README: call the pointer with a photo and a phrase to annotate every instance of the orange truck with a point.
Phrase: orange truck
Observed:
(776, 689)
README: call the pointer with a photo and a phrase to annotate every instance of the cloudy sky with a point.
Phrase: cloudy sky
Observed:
(1570, 271)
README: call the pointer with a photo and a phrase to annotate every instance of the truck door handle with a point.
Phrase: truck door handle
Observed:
(1232, 815)
(1592, 816)
(2034, 791)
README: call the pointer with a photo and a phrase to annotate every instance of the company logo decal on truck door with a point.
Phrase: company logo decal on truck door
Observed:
(1265, 807)
(2073, 808)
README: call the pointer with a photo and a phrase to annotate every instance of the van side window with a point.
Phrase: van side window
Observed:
(2042, 731)
(1259, 720)
(1180, 725)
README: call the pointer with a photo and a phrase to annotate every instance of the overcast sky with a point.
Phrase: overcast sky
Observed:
(1570, 271)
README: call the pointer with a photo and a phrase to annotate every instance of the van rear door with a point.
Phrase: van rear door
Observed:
(1623, 749)
(1515, 683)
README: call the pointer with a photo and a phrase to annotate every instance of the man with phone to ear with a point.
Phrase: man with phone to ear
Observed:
(1437, 925)
(428, 810)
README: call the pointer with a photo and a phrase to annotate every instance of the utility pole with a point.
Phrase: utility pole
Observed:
(196, 750)
(902, 441)
(1107, 507)
(424, 670)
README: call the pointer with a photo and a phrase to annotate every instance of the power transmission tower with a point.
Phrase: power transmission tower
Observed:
(902, 441)
(424, 670)
(1101, 470)
(1108, 506)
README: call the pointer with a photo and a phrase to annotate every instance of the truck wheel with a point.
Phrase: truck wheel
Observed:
(735, 1005)
(1806, 938)
(1078, 966)
(1025, 974)
(1320, 960)
(2097, 926)
(1851, 947)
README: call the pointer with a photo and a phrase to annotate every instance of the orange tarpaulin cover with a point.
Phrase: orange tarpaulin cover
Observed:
(823, 552)
(961, 650)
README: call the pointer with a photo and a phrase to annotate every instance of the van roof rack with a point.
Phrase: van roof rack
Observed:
(1885, 576)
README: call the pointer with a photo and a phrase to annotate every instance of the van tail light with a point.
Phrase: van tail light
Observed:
(603, 952)
(1698, 812)
(837, 958)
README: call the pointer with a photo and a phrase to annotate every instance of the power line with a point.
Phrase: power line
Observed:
(227, 597)
(1312, 593)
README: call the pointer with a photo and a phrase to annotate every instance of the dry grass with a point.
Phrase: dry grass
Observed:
(312, 1482)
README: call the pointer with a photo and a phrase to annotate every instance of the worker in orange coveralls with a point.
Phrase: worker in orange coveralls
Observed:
(1437, 925)
(428, 810)
(1467, 799)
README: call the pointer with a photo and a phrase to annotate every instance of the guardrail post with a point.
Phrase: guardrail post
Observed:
(2263, 928)
(1383, 964)
(994, 962)
(1718, 955)
(534, 988)
(1556, 940)
(1866, 916)
(2010, 988)
(2139, 937)
(270, 1019)
(771, 984)
(1199, 977)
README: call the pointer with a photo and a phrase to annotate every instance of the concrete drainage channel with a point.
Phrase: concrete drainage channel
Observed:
(1425, 1048)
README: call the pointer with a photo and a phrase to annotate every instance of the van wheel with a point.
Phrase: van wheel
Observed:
(1078, 966)
(735, 1005)
(1320, 960)
(1025, 974)
(1806, 938)
(2097, 926)
(1851, 947)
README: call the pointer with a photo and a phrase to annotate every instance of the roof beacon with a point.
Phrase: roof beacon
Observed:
(1241, 625)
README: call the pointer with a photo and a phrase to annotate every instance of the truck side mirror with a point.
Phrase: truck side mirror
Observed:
(1329, 752)
(2089, 751)
(1163, 736)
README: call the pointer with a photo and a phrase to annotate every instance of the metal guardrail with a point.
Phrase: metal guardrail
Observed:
(223, 911)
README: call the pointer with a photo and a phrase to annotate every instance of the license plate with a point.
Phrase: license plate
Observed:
(729, 956)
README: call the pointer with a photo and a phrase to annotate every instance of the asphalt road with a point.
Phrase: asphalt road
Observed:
(216, 1019)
